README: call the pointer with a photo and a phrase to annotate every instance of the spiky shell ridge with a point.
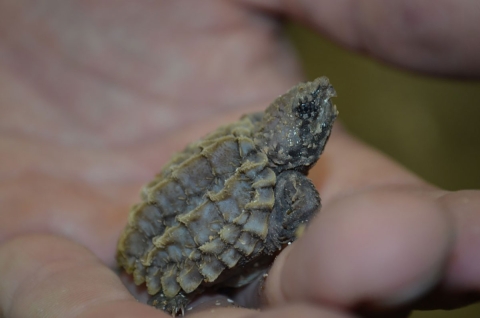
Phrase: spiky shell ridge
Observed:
(204, 214)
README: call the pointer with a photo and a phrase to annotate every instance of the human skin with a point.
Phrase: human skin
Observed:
(96, 95)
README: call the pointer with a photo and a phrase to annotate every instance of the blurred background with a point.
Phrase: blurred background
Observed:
(430, 125)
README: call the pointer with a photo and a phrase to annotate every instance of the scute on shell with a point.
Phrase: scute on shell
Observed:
(209, 215)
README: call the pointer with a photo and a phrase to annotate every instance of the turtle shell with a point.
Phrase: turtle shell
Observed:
(208, 218)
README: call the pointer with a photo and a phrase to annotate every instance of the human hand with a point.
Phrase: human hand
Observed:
(95, 100)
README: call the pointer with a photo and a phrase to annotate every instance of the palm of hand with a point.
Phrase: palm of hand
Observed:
(113, 105)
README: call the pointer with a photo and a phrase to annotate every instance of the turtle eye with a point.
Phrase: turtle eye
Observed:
(308, 106)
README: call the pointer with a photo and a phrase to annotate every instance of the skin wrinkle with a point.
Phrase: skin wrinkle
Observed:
(466, 224)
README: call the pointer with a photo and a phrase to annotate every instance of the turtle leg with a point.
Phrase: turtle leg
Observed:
(296, 202)
(172, 305)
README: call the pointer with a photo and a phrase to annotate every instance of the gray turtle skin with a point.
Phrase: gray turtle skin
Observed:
(219, 212)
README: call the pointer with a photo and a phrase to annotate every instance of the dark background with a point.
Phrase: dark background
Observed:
(430, 125)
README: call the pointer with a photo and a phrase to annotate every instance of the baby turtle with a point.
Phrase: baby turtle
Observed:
(219, 212)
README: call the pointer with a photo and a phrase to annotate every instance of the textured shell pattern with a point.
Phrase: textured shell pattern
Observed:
(208, 215)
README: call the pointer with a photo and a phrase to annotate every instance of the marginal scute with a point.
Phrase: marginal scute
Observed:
(195, 175)
(229, 208)
(245, 146)
(255, 163)
(211, 268)
(230, 233)
(169, 195)
(202, 226)
(241, 131)
(174, 235)
(223, 155)
(242, 218)
(263, 199)
(175, 253)
(157, 257)
(257, 223)
(139, 273)
(215, 246)
(136, 242)
(192, 215)
(218, 213)
(152, 280)
(170, 286)
(240, 194)
(148, 220)
(230, 257)
(246, 243)
(189, 277)
(195, 255)
(266, 178)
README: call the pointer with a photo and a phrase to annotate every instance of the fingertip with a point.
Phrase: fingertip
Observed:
(463, 273)
(384, 247)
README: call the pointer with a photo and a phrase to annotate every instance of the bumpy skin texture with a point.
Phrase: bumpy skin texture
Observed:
(220, 210)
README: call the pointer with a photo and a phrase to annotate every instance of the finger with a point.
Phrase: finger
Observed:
(284, 311)
(348, 166)
(46, 276)
(383, 248)
(463, 274)
(433, 36)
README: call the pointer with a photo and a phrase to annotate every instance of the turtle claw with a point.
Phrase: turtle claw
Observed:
(170, 305)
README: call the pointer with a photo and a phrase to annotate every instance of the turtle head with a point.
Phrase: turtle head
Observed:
(296, 126)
